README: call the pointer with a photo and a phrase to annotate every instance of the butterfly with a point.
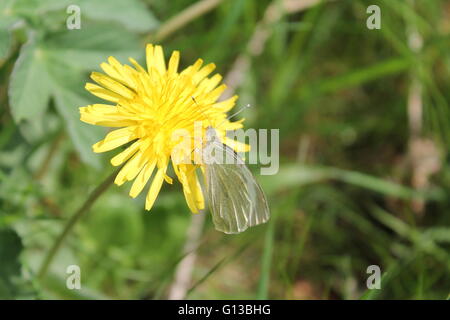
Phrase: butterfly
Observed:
(235, 198)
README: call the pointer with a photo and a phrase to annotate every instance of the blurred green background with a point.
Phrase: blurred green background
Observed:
(364, 173)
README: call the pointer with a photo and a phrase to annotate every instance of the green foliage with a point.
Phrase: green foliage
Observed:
(346, 194)
(12, 284)
(29, 90)
(52, 63)
(5, 43)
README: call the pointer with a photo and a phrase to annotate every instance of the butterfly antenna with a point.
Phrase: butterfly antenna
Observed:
(239, 111)
(236, 113)
(195, 101)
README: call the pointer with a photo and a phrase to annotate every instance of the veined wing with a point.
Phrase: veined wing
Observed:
(235, 198)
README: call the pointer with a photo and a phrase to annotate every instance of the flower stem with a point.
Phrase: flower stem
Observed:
(95, 194)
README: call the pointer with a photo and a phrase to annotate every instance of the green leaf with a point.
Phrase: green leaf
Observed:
(133, 14)
(91, 46)
(10, 249)
(69, 95)
(83, 135)
(7, 14)
(5, 43)
(86, 48)
(29, 89)
(52, 68)
(35, 7)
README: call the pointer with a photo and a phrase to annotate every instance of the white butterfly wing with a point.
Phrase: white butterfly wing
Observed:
(235, 198)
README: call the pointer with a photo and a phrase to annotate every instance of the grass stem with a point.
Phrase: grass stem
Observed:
(183, 18)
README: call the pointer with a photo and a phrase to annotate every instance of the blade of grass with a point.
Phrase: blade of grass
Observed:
(372, 294)
(217, 266)
(266, 263)
(356, 77)
(298, 175)
(183, 18)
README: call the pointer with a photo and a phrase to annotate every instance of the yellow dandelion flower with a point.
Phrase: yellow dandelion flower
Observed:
(148, 105)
